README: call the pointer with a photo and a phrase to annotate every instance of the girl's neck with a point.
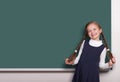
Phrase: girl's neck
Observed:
(95, 43)
(96, 39)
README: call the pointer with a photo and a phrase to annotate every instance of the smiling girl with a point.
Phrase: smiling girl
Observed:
(91, 55)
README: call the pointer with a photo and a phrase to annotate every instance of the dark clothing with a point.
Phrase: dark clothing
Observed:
(87, 69)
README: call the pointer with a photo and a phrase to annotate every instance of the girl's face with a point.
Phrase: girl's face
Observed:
(94, 31)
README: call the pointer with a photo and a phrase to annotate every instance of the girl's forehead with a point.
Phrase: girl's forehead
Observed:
(92, 25)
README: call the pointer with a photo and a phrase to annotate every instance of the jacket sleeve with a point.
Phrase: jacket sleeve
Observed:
(102, 64)
(79, 54)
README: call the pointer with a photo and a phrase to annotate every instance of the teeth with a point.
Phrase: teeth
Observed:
(93, 34)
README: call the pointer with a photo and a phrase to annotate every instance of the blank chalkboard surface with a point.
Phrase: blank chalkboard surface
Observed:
(42, 33)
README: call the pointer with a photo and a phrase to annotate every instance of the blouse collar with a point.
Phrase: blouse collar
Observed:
(95, 43)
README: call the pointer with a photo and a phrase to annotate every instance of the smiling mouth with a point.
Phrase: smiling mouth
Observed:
(93, 35)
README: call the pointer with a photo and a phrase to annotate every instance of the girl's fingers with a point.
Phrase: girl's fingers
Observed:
(110, 63)
(68, 62)
(113, 60)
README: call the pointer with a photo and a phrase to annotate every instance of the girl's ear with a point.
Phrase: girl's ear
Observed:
(100, 30)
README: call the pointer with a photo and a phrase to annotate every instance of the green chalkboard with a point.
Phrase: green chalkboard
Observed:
(42, 33)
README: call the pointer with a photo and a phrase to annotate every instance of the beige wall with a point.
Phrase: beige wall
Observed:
(112, 76)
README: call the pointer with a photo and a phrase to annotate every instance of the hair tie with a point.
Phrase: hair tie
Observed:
(75, 51)
(108, 49)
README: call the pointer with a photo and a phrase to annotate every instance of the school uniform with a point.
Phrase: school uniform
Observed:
(90, 58)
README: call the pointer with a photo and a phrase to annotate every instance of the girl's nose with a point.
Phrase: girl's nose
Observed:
(92, 31)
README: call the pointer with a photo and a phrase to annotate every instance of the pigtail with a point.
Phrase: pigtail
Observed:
(85, 35)
(106, 45)
(73, 56)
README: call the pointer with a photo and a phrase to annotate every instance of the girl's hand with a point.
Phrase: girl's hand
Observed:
(112, 61)
(67, 61)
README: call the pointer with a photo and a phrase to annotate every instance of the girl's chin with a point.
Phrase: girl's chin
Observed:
(94, 38)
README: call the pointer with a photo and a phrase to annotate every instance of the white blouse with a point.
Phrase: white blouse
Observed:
(102, 64)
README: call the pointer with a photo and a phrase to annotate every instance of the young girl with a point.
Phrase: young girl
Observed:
(91, 55)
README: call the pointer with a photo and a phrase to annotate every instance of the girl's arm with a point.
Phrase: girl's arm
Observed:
(79, 54)
(102, 63)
